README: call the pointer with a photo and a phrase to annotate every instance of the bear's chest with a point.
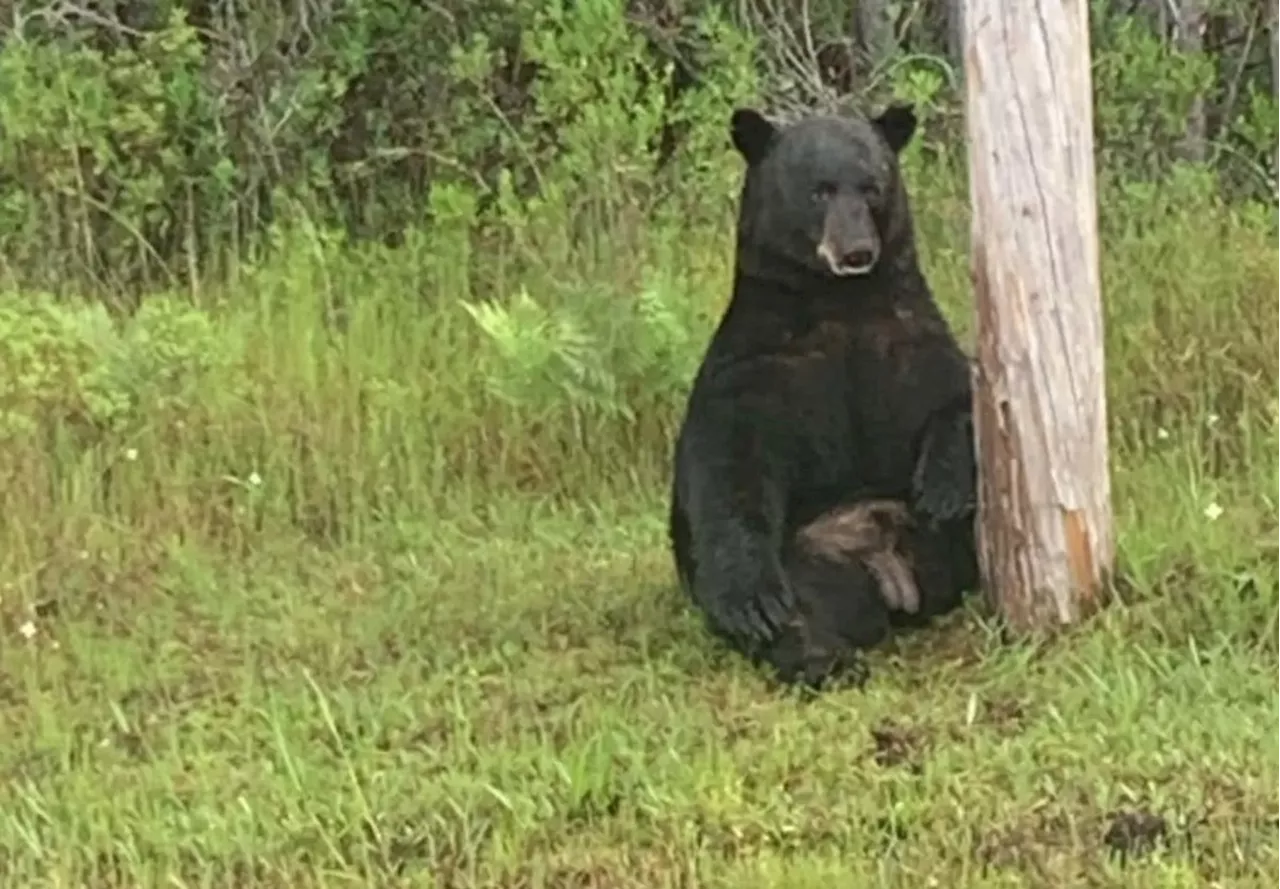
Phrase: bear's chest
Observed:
(861, 395)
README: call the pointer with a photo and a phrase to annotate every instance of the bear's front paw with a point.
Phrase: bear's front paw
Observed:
(942, 502)
(945, 481)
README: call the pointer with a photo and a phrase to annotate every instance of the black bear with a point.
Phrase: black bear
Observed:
(825, 480)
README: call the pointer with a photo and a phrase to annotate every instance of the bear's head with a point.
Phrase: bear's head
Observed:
(823, 196)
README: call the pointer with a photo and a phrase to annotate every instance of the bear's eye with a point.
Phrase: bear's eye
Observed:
(824, 191)
(869, 190)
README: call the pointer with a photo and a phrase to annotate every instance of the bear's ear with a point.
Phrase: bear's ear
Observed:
(752, 134)
(897, 124)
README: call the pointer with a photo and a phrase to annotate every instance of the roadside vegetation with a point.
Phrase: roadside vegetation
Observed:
(332, 505)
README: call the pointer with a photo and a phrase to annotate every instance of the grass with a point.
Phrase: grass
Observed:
(296, 600)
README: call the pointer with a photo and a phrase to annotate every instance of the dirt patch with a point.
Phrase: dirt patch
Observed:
(1133, 833)
(1005, 713)
(1039, 844)
(1069, 840)
(896, 746)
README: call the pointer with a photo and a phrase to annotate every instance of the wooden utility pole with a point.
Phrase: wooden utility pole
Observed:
(1046, 546)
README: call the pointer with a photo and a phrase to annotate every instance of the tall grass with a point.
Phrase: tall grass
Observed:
(360, 383)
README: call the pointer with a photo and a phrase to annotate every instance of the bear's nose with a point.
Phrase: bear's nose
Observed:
(859, 259)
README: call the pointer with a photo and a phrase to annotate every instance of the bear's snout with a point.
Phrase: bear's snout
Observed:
(849, 244)
(854, 260)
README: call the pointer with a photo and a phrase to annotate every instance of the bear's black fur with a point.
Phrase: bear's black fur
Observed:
(825, 478)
